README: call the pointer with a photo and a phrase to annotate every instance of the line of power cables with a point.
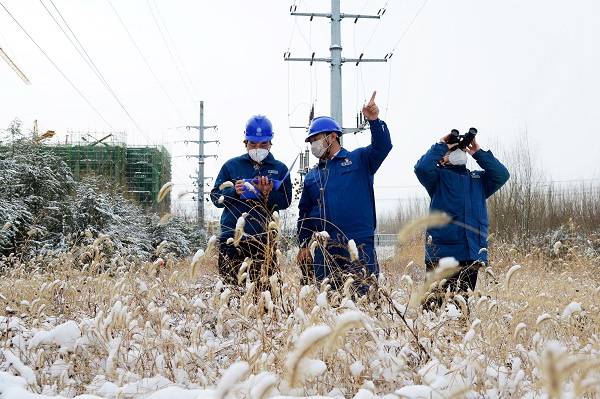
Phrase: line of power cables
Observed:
(146, 62)
(175, 50)
(391, 53)
(171, 52)
(80, 48)
(411, 23)
(291, 112)
(60, 71)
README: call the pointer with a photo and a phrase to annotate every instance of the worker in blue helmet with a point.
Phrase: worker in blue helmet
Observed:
(251, 186)
(338, 205)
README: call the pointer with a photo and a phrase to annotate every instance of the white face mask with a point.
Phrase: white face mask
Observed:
(457, 157)
(319, 147)
(258, 154)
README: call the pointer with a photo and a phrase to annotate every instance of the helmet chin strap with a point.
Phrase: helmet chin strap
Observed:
(327, 153)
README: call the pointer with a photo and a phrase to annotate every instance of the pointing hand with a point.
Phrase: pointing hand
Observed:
(371, 110)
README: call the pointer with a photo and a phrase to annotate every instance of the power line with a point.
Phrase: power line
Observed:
(162, 87)
(164, 39)
(14, 67)
(409, 26)
(177, 55)
(88, 60)
(57, 68)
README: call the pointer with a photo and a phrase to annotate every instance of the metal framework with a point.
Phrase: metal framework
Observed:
(336, 60)
(140, 170)
(200, 177)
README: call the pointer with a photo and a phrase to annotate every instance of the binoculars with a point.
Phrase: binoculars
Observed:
(463, 140)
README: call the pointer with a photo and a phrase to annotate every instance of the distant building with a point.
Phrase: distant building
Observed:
(141, 170)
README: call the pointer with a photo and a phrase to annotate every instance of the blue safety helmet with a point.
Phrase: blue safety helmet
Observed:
(323, 124)
(259, 129)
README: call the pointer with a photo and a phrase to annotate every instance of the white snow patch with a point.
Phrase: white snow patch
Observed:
(573, 307)
(64, 335)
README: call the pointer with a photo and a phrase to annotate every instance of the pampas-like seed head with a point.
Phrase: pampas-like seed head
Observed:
(239, 230)
(510, 274)
(520, 329)
(166, 218)
(164, 190)
(232, 376)
(542, 319)
(308, 342)
(434, 219)
(446, 268)
(265, 382)
(313, 246)
(353, 251)
(345, 322)
(194, 266)
(211, 246)
(225, 184)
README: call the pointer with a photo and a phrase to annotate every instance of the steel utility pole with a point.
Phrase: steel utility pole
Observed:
(201, 157)
(336, 60)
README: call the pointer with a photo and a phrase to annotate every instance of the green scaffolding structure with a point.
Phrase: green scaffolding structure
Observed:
(146, 170)
(142, 170)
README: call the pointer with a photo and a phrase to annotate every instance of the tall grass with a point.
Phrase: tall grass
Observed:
(523, 332)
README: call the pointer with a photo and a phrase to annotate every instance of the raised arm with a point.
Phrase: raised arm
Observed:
(426, 168)
(381, 141)
(495, 173)
(381, 145)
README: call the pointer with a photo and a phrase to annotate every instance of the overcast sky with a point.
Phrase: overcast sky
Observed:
(501, 66)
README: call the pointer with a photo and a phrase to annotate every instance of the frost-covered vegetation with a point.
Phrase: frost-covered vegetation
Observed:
(151, 330)
(44, 211)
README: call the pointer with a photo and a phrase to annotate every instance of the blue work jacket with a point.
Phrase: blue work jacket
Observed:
(243, 167)
(337, 195)
(462, 194)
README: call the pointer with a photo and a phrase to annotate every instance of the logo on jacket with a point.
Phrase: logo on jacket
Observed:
(346, 162)
(273, 172)
(475, 175)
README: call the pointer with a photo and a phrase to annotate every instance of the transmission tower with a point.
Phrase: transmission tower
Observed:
(200, 178)
(336, 60)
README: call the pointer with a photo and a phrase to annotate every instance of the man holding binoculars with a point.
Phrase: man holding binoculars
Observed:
(461, 194)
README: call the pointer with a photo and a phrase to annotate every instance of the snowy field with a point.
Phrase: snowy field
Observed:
(145, 331)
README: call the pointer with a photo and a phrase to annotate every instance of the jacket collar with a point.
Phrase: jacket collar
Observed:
(456, 168)
(342, 153)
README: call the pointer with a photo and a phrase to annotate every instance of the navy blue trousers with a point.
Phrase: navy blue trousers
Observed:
(334, 263)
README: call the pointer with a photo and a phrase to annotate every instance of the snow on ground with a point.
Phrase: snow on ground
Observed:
(143, 333)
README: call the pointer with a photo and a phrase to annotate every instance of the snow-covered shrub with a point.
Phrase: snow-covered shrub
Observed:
(43, 210)
(176, 233)
(34, 187)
